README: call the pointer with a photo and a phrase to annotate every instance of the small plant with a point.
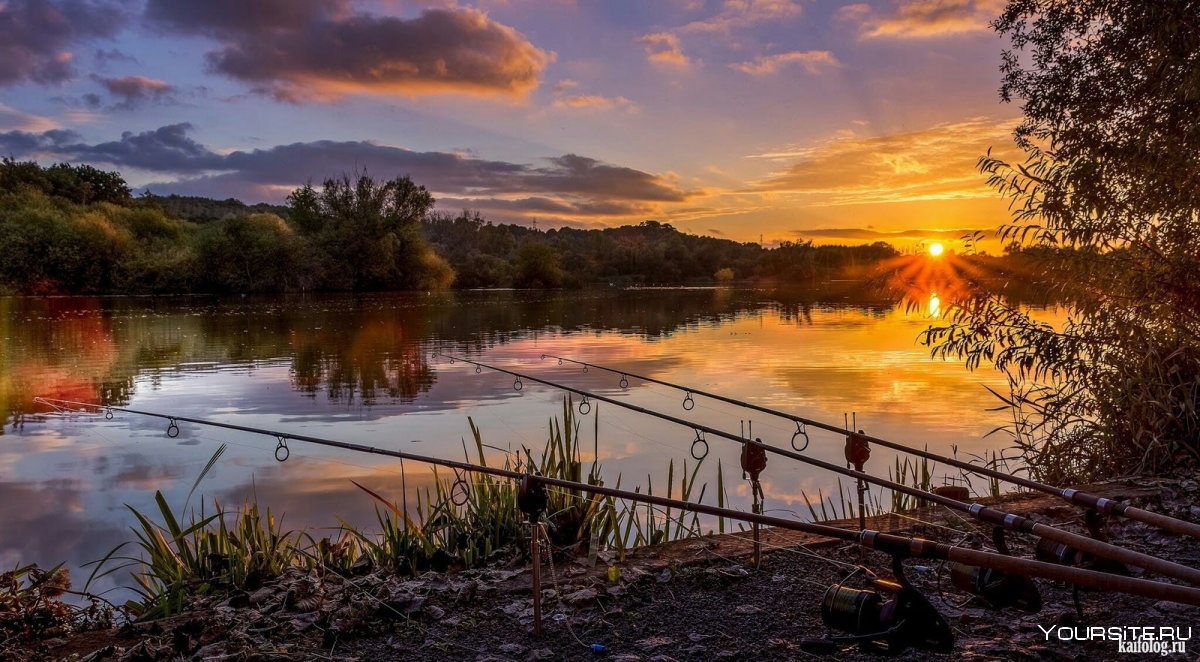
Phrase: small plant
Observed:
(31, 605)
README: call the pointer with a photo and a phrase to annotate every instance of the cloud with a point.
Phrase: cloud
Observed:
(323, 50)
(917, 19)
(595, 102)
(569, 184)
(24, 143)
(866, 234)
(564, 85)
(737, 14)
(937, 163)
(135, 90)
(106, 57)
(222, 18)
(166, 149)
(12, 119)
(665, 48)
(814, 62)
(36, 36)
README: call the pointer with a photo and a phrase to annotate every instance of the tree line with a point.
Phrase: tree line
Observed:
(67, 229)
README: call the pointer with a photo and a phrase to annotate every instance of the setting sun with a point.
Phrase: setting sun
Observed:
(936, 249)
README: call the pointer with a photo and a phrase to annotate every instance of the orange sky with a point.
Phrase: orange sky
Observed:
(780, 119)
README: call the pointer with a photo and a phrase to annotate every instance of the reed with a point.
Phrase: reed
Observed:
(462, 522)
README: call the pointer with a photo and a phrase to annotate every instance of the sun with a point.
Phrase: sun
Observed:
(936, 249)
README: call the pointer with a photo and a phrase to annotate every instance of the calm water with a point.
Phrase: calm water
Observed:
(361, 369)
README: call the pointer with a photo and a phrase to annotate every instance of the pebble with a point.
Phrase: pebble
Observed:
(511, 649)
(653, 643)
(747, 610)
(580, 597)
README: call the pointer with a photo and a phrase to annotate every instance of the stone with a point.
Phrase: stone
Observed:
(580, 597)
(653, 643)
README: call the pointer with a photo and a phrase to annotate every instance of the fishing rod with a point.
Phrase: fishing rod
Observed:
(986, 514)
(900, 547)
(1075, 497)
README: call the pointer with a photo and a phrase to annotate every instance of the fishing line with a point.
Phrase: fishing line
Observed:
(541, 532)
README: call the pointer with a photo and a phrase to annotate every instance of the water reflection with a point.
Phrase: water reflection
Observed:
(359, 368)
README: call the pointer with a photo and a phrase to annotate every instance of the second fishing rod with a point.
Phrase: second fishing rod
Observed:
(1076, 497)
(991, 516)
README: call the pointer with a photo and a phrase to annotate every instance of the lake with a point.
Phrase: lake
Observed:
(361, 369)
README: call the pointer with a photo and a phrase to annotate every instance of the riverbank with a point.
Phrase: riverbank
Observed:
(693, 599)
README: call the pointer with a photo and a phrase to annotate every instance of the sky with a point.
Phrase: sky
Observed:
(772, 120)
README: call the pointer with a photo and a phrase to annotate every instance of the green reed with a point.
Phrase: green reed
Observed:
(457, 523)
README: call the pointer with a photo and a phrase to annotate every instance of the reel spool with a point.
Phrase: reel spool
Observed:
(999, 589)
(886, 618)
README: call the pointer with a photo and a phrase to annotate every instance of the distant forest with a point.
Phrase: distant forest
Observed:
(76, 229)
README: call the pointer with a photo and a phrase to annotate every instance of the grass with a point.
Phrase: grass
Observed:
(464, 521)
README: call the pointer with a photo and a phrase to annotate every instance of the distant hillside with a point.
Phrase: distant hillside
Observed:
(76, 229)
(204, 210)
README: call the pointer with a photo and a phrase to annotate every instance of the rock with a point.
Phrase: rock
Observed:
(580, 597)
(663, 658)
(541, 654)
(695, 650)
(435, 612)
(511, 649)
(653, 643)
(664, 576)
(549, 594)
(617, 591)
(747, 610)
(696, 636)
(304, 621)
(1173, 607)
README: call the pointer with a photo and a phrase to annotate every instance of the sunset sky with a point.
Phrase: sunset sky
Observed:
(737, 118)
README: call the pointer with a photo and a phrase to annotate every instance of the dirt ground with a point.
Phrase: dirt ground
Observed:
(697, 599)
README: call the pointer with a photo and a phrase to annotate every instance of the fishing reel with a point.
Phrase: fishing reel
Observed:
(998, 589)
(887, 617)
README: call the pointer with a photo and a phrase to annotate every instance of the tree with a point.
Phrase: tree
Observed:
(81, 184)
(1110, 186)
(370, 233)
(538, 266)
(254, 253)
